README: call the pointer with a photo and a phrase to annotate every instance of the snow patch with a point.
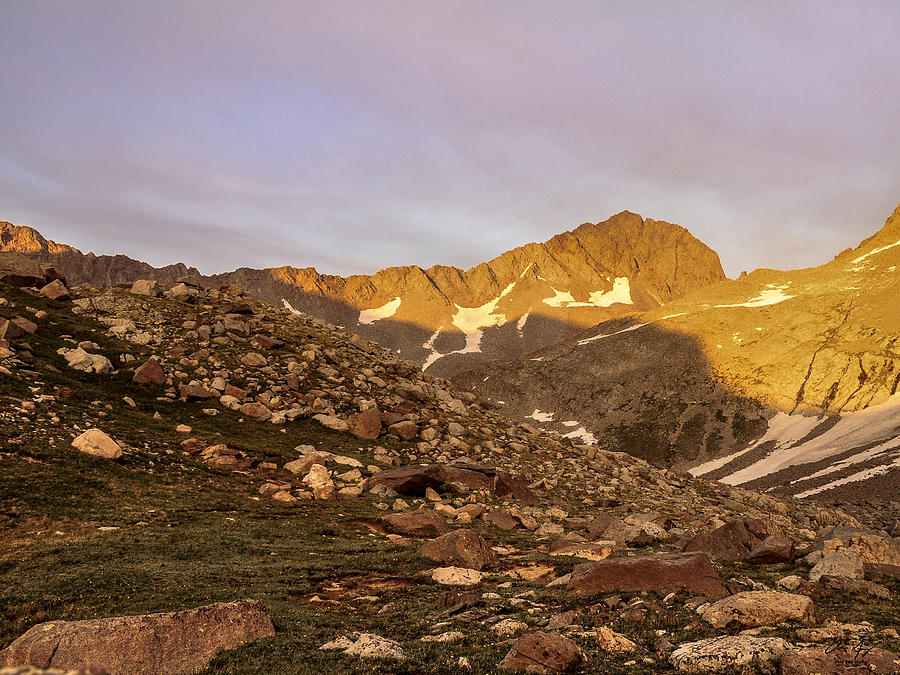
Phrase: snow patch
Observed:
(771, 295)
(672, 316)
(571, 423)
(583, 434)
(606, 335)
(620, 293)
(865, 474)
(472, 321)
(525, 271)
(853, 430)
(539, 416)
(368, 316)
(856, 266)
(290, 307)
(520, 324)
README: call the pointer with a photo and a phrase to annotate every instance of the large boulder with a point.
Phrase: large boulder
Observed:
(420, 523)
(759, 608)
(842, 660)
(777, 548)
(838, 564)
(97, 443)
(732, 541)
(194, 392)
(55, 290)
(463, 548)
(542, 653)
(662, 573)
(366, 424)
(150, 372)
(728, 653)
(163, 644)
(410, 480)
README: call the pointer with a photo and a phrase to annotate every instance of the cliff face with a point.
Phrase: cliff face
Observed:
(448, 319)
(777, 357)
(78, 267)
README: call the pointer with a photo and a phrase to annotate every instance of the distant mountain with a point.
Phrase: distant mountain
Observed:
(448, 319)
(782, 380)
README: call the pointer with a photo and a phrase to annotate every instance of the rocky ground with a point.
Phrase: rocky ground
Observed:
(162, 452)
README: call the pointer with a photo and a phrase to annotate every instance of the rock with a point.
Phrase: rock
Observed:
(55, 290)
(331, 422)
(411, 480)
(464, 548)
(183, 292)
(870, 548)
(838, 564)
(163, 644)
(78, 359)
(774, 549)
(759, 608)
(10, 331)
(663, 573)
(456, 576)
(319, 480)
(150, 372)
(301, 467)
(194, 392)
(509, 627)
(542, 653)
(840, 660)
(370, 646)
(611, 641)
(266, 342)
(366, 424)
(146, 287)
(255, 411)
(732, 541)
(254, 360)
(95, 442)
(418, 523)
(727, 653)
(501, 518)
(405, 430)
(592, 550)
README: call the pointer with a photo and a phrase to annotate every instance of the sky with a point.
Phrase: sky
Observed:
(352, 136)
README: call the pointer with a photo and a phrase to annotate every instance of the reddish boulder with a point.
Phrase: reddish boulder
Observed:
(662, 573)
(542, 653)
(404, 430)
(732, 541)
(502, 518)
(55, 290)
(194, 392)
(164, 644)
(775, 549)
(509, 487)
(366, 424)
(266, 342)
(461, 548)
(410, 480)
(149, 373)
(237, 392)
(417, 523)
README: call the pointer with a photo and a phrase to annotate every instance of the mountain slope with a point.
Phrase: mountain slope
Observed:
(448, 319)
(770, 359)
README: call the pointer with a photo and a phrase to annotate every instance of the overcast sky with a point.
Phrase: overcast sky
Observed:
(352, 136)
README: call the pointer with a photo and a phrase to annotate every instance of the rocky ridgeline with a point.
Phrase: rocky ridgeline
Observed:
(442, 473)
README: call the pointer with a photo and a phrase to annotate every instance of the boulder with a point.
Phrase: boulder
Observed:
(840, 660)
(256, 411)
(727, 653)
(759, 608)
(150, 372)
(404, 430)
(266, 342)
(542, 653)
(463, 548)
(365, 424)
(410, 480)
(369, 646)
(501, 518)
(254, 360)
(97, 443)
(732, 541)
(774, 549)
(611, 641)
(332, 422)
(838, 564)
(55, 290)
(163, 644)
(146, 287)
(870, 548)
(79, 359)
(194, 392)
(663, 573)
(301, 467)
(10, 331)
(420, 523)
(456, 576)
